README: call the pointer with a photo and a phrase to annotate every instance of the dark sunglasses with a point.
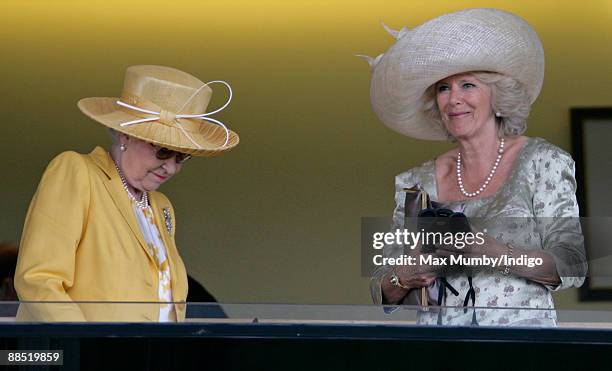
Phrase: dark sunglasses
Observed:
(163, 153)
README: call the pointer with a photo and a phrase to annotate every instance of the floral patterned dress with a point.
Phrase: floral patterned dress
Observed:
(535, 209)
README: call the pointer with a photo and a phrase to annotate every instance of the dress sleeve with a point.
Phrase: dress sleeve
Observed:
(402, 181)
(556, 211)
(55, 222)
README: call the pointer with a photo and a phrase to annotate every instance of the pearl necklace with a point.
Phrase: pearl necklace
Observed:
(500, 151)
(144, 199)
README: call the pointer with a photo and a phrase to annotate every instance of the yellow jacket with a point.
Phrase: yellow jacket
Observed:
(81, 242)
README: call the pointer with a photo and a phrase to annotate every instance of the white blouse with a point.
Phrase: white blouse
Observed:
(156, 246)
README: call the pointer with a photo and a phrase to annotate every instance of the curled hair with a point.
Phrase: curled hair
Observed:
(508, 97)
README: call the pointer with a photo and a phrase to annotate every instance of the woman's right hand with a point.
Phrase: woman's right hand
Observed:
(417, 276)
(411, 277)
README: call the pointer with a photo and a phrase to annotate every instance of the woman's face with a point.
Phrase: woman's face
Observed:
(142, 169)
(464, 103)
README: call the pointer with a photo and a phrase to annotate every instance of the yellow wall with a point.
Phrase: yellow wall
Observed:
(277, 220)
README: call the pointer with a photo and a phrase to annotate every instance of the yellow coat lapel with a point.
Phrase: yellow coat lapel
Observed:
(114, 186)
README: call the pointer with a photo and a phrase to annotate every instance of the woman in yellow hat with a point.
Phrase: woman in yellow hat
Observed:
(97, 229)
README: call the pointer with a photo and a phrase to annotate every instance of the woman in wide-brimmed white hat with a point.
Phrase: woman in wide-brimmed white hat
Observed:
(471, 77)
(97, 229)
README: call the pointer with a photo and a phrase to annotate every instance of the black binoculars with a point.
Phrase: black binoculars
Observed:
(441, 221)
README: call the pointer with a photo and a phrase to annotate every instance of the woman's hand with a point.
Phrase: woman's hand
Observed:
(481, 246)
(413, 276)
(474, 243)
(546, 273)
(418, 275)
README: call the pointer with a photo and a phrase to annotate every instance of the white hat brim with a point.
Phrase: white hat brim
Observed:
(470, 40)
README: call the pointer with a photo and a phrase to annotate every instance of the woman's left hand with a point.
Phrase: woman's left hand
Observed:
(487, 246)
(482, 245)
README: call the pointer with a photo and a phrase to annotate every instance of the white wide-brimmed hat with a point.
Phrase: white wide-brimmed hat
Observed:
(166, 107)
(469, 40)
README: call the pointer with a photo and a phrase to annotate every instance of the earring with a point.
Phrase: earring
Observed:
(498, 114)
(123, 148)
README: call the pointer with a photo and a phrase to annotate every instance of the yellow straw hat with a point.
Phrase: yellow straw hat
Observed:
(166, 107)
(469, 40)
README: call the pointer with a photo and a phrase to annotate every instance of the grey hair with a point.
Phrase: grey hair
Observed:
(509, 98)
